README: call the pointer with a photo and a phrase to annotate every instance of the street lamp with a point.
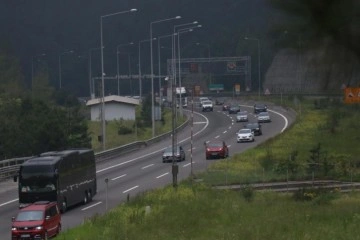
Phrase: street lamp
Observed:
(159, 60)
(258, 43)
(102, 73)
(152, 71)
(183, 30)
(67, 52)
(91, 83)
(32, 67)
(208, 48)
(117, 62)
(173, 46)
(139, 66)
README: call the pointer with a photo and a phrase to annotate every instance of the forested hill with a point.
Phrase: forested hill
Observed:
(52, 27)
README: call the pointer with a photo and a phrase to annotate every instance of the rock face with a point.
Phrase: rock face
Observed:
(325, 70)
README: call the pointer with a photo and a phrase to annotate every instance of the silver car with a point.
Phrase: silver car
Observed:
(179, 154)
(242, 116)
(263, 117)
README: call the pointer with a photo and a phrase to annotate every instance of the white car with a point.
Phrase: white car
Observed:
(202, 99)
(245, 135)
(263, 117)
(207, 106)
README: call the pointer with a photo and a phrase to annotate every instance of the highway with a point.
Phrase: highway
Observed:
(143, 170)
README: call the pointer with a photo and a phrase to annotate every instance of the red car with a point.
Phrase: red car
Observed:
(225, 107)
(216, 150)
(40, 220)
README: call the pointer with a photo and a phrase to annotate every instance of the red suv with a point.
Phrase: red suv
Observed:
(39, 220)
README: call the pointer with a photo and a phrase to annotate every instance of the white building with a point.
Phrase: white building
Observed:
(116, 107)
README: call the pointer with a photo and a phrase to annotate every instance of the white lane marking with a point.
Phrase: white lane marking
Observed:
(217, 136)
(130, 189)
(200, 122)
(93, 205)
(207, 123)
(118, 177)
(157, 151)
(188, 164)
(229, 145)
(162, 175)
(6, 203)
(224, 132)
(147, 166)
(285, 119)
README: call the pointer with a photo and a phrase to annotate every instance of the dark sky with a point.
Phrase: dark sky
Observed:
(52, 27)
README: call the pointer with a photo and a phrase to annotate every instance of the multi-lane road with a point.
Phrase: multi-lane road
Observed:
(142, 170)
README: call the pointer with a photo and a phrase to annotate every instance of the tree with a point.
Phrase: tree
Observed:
(34, 126)
(41, 89)
(11, 78)
(336, 21)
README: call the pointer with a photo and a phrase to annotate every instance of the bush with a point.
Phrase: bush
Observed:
(248, 192)
(319, 196)
(124, 130)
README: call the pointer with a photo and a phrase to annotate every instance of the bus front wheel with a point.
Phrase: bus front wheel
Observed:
(63, 206)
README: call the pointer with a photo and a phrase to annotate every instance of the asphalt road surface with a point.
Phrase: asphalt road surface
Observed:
(142, 170)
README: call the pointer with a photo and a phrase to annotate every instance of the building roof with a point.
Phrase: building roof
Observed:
(113, 98)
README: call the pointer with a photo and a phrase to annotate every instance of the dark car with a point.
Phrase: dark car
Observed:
(255, 127)
(234, 108)
(216, 150)
(259, 107)
(40, 220)
(219, 101)
(179, 154)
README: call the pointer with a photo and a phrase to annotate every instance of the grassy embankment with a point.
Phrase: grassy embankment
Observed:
(196, 211)
(114, 139)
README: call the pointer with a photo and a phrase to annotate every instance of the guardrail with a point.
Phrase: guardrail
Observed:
(9, 167)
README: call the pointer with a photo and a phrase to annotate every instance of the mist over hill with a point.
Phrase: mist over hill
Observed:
(30, 28)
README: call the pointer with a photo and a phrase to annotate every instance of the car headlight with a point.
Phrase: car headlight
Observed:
(39, 228)
(13, 229)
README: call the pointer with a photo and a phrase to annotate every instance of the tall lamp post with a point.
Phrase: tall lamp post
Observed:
(159, 63)
(63, 53)
(32, 67)
(174, 53)
(139, 66)
(183, 30)
(91, 83)
(117, 63)
(102, 72)
(259, 71)
(152, 71)
(208, 51)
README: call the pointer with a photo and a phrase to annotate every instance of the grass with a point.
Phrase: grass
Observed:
(288, 156)
(201, 213)
(197, 211)
(114, 139)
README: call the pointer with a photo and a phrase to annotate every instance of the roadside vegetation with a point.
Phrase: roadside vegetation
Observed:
(121, 132)
(322, 144)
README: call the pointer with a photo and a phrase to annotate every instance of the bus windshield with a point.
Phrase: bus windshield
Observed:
(37, 179)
